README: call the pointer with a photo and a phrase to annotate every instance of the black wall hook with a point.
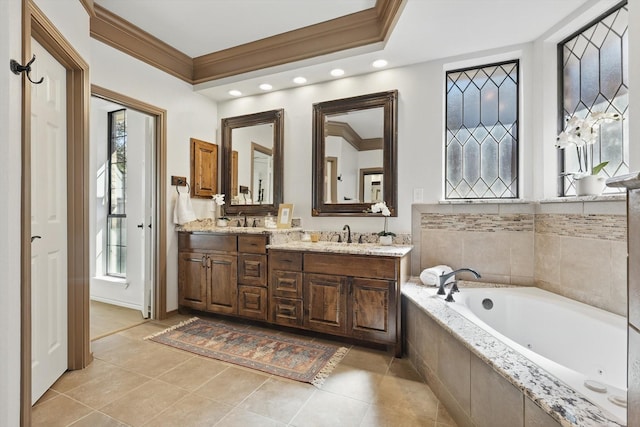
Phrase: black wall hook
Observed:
(17, 69)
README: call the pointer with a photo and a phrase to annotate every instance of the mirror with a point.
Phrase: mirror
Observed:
(251, 162)
(354, 154)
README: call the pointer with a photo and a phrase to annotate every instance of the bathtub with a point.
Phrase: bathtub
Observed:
(578, 344)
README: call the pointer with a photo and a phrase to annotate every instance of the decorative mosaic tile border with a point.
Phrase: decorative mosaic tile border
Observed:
(588, 226)
(477, 222)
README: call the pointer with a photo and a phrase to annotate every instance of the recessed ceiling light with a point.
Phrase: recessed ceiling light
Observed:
(266, 86)
(235, 92)
(300, 80)
(337, 72)
(379, 63)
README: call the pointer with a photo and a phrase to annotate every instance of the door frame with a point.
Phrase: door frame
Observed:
(35, 24)
(160, 215)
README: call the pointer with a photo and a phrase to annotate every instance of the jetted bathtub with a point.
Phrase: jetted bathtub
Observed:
(583, 346)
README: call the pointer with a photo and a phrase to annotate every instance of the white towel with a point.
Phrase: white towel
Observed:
(430, 276)
(183, 211)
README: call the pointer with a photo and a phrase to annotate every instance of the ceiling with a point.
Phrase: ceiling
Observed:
(425, 30)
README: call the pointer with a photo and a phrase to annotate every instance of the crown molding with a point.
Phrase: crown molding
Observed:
(346, 32)
(89, 7)
(346, 132)
(126, 37)
(357, 29)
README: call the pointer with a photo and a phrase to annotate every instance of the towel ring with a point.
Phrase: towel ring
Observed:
(185, 183)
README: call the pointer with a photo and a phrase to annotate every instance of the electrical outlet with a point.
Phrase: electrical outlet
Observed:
(418, 195)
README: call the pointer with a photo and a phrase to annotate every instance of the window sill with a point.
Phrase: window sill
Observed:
(582, 199)
(111, 280)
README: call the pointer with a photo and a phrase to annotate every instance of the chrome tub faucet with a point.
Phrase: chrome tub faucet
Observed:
(454, 286)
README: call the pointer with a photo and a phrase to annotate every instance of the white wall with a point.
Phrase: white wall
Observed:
(420, 132)
(189, 115)
(10, 149)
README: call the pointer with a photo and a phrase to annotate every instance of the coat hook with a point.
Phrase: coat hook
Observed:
(17, 69)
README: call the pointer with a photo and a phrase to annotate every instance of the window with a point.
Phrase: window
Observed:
(593, 77)
(481, 153)
(117, 200)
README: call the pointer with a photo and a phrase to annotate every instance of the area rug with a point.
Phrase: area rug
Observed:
(288, 357)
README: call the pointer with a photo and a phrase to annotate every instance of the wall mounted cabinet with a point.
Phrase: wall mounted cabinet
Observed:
(204, 169)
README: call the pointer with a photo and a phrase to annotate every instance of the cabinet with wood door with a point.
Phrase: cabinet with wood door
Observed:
(207, 272)
(348, 295)
(223, 273)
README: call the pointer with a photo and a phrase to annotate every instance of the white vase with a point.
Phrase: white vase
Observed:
(386, 240)
(589, 185)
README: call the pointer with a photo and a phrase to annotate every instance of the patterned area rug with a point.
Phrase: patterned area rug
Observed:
(296, 359)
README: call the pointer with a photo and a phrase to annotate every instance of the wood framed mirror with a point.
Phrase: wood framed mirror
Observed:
(355, 154)
(251, 162)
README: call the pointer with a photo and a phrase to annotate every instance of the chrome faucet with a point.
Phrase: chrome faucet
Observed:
(346, 227)
(454, 286)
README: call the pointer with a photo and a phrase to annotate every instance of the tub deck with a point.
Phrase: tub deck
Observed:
(561, 402)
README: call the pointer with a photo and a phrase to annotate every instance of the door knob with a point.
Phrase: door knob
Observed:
(140, 225)
(35, 237)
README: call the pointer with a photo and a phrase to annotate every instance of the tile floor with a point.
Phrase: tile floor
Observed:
(133, 382)
(107, 318)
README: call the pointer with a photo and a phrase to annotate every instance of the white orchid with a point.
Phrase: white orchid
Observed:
(218, 199)
(583, 133)
(381, 207)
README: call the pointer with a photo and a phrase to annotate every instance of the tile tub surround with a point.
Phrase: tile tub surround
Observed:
(481, 381)
(575, 247)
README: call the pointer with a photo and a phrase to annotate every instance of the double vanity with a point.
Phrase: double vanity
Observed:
(343, 289)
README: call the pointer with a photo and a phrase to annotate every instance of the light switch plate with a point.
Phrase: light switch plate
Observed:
(418, 195)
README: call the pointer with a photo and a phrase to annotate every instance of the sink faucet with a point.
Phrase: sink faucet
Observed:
(454, 287)
(346, 227)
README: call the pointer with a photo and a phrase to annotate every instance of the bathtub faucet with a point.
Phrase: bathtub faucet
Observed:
(454, 286)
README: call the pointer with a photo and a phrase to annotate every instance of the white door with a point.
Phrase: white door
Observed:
(140, 138)
(48, 222)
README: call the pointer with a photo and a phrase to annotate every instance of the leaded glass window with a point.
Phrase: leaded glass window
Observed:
(594, 78)
(481, 153)
(117, 200)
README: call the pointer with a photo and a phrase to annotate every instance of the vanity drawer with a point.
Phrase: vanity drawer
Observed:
(252, 244)
(252, 269)
(285, 260)
(352, 265)
(286, 311)
(206, 242)
(286, 284)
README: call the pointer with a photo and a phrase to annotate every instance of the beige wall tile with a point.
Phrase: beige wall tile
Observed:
(453, 369)
(487, 252)
(495, 402)
(586, 267)
(441, 247)
(548, 261)
(633, 403)
(522, 254)
(534, 416)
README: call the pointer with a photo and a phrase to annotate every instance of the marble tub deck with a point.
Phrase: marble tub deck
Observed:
(561, 402)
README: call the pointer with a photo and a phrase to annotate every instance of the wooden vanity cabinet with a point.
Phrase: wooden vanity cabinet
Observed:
(207, 272)
(353, 295)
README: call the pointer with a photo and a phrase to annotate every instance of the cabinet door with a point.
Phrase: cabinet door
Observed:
(204, 168)
(222, 281)
(325, 303)
(252, 269)
(252, 302)
(372, 307)
(192, 280)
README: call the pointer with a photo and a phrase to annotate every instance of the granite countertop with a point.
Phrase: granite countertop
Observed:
(344, 248)
(560, 401)
(208, 226)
